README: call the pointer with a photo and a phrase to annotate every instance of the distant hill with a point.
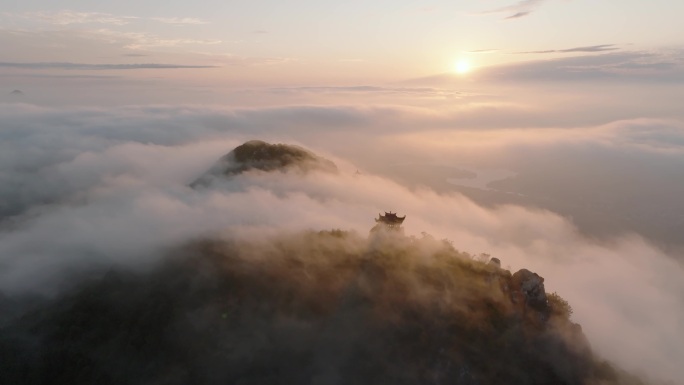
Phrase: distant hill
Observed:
(263, 156)
(16, 93)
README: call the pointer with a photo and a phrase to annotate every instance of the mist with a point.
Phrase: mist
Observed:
(85, 190)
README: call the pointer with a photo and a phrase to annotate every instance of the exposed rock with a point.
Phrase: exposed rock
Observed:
(531, 286)
(259, 155)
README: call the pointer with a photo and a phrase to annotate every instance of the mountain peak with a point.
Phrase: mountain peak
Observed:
(329, 304)
(266, 157)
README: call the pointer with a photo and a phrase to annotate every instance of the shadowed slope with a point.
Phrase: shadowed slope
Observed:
(307, 308)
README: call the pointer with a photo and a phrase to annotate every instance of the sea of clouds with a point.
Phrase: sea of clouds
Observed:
(89, 188)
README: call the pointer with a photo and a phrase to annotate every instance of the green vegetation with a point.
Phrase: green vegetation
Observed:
(559, 306)
(261, 156)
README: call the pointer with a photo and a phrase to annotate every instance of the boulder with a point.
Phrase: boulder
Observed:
(496, 262)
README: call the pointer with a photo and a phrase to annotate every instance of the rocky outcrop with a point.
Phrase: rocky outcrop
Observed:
(528, 288)
(267, 157)
(495, 262)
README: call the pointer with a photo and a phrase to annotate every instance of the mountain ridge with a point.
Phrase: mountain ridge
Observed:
(327, 307)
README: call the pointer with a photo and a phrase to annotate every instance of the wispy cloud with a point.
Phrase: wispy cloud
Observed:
(584, 49)
(622, 66)
(82, 66)
(68, 17)
(58, 76)
(139, 40)
(237, 60)
(517, 10)
(414, 91)
(619, 66)
(72, 17)
(482, 51)
(518, 15)
(180, 20)
(594, 48)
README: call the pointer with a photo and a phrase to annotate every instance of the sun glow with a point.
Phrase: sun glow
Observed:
(462, 67)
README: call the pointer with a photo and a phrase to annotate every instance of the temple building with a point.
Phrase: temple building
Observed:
(390, 221)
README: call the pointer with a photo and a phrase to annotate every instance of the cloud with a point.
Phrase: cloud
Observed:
(68, 17)
(623, 66)
(112, 29)
(55, 76)
(416, 91)
(518, 15)
(637, 153)
(76, 45)
(517, 10)
(83, 45)
(101, 67)
(140, 40)
(72, 17)
(108, 187)
(482, 51)
(180, 20)
(592, 48)
(236, 60)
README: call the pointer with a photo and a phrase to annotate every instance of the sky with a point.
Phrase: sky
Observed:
(263, 42)
(547, 133)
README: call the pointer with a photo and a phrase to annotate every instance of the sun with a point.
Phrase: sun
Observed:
(462, 67)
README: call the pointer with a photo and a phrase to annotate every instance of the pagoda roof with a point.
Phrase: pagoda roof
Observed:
(390, 218)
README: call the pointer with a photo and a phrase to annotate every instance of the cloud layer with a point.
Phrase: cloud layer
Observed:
(619, 67)
(99, 188)
(91, 67)
(68, 17)
(591, 48)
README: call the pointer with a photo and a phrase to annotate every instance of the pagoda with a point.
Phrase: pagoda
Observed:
(390, 221)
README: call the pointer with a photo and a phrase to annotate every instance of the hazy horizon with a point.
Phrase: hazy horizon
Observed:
(547, 133)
